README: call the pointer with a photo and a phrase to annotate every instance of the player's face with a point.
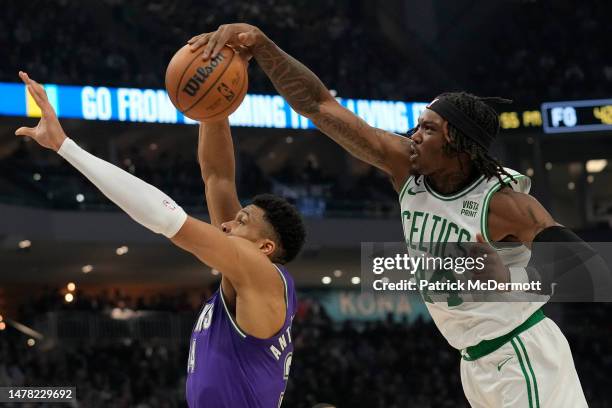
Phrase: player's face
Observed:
(249, 223)
(427, 154)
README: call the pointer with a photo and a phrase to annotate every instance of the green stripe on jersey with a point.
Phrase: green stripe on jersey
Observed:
(403, 190)
(484, 220)
(456, 195)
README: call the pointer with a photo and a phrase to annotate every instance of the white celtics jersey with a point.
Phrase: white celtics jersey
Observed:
(430, 217)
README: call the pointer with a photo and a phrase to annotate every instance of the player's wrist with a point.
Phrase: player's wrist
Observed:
(261, 40)
(59, 142)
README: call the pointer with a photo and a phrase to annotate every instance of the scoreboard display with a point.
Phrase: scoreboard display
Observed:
(272, 111)
(153, 106)
(577, 116)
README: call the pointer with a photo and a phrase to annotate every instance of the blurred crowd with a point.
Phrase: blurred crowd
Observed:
(129, 43)
(537, 50)
(548, 50)
(382, 364)
(51, 299)
(121, 375)
(44, 180)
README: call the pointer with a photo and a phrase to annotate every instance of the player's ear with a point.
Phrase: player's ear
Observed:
(445, 132)
(267, 246)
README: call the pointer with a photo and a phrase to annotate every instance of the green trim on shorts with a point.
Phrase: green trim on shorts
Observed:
(488, 346)
(535, 382)
(524, 372)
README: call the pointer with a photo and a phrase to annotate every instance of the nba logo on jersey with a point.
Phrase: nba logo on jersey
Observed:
(205, 318)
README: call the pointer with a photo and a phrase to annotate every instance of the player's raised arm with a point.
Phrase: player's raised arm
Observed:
(146, 204)
(307, 95)
(217, 163)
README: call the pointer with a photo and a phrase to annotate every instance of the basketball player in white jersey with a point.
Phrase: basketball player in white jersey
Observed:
(512, 355)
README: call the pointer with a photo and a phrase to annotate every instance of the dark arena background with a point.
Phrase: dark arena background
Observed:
(89, 298)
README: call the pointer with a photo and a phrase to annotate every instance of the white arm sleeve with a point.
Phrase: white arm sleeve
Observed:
(144, 203)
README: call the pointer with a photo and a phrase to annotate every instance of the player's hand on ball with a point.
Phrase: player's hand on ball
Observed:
(240, 36)
(48, 133)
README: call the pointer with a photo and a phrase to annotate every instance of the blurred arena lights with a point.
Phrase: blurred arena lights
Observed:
(122, 250)
(71, 286)
(2, 326)
(326, 280)
(571, 185)
(68, 297)
(590, 178)
(529, 172)
(337, 273)
(289, 139)
(1, 318)
(355, 280)
(80, 198)
(26, 243)
(36, 176)
(214, 272)
(31, 342)
(548, 165)
(87, 268)
(596, 166)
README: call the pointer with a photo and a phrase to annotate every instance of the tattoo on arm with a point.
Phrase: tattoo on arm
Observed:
(305, 92)
(347, 136)
(302, 89)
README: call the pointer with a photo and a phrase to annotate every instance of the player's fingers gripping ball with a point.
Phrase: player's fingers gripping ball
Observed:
(206, 90)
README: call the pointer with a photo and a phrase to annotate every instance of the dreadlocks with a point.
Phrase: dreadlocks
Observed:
(486, 117)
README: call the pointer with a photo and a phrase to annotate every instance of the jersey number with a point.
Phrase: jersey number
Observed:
(191, 359)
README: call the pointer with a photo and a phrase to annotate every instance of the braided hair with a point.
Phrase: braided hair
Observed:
(484, 115)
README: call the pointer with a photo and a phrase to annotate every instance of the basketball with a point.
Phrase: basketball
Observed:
(206, 90)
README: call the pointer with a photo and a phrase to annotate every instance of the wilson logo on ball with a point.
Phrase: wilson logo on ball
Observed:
(193, 85)
(206, 90)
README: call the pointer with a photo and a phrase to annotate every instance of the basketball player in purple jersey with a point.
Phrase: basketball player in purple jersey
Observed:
(235, 350)
(241, 346)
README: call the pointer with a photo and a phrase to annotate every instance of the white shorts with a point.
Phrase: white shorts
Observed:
(534, 369)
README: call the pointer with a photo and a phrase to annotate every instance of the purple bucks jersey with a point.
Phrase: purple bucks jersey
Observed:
(227, 368)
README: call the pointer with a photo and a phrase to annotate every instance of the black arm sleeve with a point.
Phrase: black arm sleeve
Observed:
(569, 269)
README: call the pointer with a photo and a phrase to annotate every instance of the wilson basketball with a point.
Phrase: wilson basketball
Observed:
(206, 90)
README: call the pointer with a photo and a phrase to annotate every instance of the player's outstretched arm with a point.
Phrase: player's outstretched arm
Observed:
(217, 164)
(145, 203)
(307, 95)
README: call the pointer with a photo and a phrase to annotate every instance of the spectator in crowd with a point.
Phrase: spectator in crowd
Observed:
(384, 364)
